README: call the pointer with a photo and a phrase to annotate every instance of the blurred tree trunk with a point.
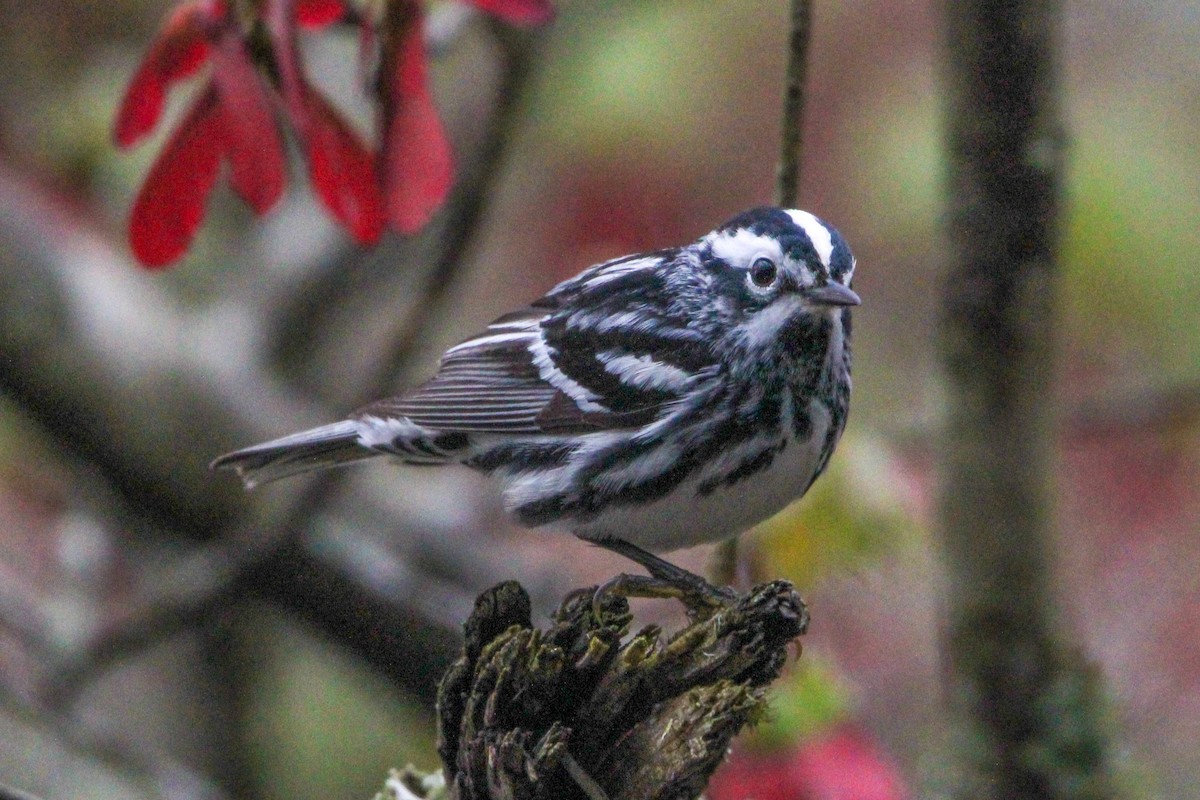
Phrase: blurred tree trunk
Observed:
(1029, 707)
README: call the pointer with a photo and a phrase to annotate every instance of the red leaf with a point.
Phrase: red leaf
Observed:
(180, 49)
(753, 775)
(340, 167)
(518, 12)
(170, 206)
(418, 166)
(252, 140)
(842, 764)
(281, 25)
(846, 765)
(319, 13)
(342, 170)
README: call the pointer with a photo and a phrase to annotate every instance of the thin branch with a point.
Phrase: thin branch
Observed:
(722, 567)
(791, 150)
(10, 793)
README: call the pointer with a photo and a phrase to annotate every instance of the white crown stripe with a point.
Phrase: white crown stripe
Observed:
(818, 234)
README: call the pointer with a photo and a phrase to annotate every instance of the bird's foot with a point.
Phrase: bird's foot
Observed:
(665, 580)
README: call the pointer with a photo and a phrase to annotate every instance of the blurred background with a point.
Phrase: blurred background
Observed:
(163, 634)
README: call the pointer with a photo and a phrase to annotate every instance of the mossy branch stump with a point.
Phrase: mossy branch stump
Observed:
(582, 710)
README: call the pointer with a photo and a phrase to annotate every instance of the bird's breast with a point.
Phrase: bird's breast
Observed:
(703, 510)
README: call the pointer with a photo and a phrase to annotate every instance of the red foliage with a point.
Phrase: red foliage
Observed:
(232, 119)
(341, 167)
(518, 12)
(180, 50)
(417, 165)
(170, 206)
(235, 120)
(844, 764)
(342, 170)
(319, 13)
(250, 137)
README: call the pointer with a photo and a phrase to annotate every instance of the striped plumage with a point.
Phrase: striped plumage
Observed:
(666, 399)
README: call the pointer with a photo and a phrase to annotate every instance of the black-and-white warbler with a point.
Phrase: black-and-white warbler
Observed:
(662, 400)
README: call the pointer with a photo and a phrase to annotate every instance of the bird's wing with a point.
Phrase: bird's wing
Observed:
(487, 384)
(596, 353)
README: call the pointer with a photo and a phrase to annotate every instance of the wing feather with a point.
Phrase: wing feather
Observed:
(487, 384)
(537, 370)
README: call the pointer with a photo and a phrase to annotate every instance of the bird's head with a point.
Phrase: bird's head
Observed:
(775, 269)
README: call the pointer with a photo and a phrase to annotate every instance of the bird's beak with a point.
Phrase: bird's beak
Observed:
(831, 294)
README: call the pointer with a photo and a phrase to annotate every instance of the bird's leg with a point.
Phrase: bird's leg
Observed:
(664, 581)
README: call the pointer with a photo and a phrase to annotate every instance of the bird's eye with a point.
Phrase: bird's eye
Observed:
(763, 272)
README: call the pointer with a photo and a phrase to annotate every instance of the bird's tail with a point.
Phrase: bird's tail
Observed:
(319, 448)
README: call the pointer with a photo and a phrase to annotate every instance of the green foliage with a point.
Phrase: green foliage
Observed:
(616, 75)
(849, 518)
(1132, 287)
(321, 725)
(898, 157)
(809, 700)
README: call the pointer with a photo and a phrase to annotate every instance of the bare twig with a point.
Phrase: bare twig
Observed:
(10, 793)
(723, 565)
(791, 151)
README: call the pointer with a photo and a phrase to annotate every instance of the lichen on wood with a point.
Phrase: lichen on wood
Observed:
(584, 709)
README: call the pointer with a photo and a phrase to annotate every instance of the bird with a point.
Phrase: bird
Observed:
(650, 403)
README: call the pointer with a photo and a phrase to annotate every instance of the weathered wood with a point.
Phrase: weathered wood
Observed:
(530, 713)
